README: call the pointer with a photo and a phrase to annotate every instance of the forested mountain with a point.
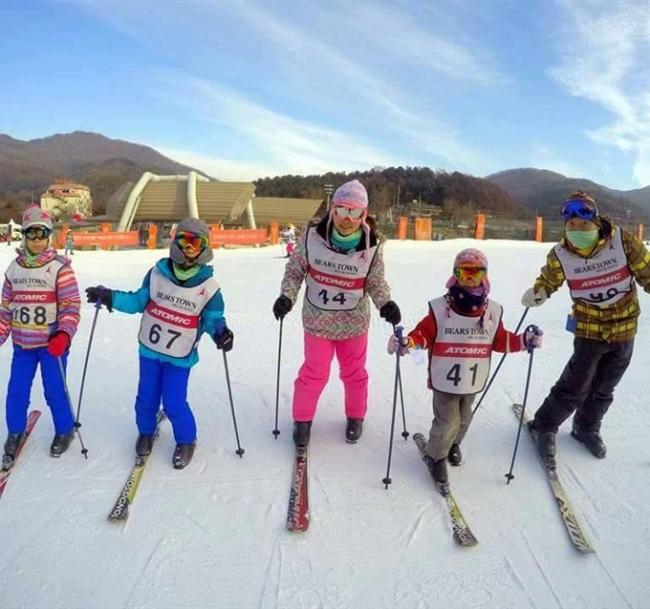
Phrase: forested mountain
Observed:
(544, 191)
(27, 168)
(398, 186)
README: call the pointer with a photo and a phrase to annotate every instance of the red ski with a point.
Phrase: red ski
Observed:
(5, 473)
(298, 515)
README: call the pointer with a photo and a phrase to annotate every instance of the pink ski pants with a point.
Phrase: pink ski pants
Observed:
(315, 371)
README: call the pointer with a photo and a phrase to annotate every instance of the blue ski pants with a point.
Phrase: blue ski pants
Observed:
(23, 370)
(163, 380)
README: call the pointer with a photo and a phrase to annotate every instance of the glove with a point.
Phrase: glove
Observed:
(102, 295)
(533, 338)
(390, 312)
(282, 306)
(532, 298)
(394, 345)
(58, 344)
(225, 340)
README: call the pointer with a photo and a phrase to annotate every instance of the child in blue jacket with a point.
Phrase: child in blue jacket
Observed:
(179, 300)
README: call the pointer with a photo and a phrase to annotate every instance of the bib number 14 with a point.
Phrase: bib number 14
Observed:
(339, 297)
(454, 374)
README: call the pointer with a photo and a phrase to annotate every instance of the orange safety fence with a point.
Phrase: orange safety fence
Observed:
(238, 236)
(423, 229)
(402, 226)
(274, 233)
(106, 239)
(480, 226)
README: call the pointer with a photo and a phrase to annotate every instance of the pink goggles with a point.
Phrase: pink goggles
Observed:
(356, 213)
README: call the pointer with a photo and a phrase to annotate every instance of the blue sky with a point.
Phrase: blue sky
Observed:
(249, 89)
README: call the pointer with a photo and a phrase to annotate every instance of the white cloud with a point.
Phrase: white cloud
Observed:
(547, 157)
(343, 80)
(286, 145)
(605, 52)
(406, 39)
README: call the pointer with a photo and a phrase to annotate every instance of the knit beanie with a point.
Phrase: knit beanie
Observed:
(35, 216)
(197, 227)
(470, 257)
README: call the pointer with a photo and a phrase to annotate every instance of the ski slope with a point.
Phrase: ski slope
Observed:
(214, 535)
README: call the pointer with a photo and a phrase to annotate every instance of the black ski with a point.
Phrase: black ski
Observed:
(7, 462)
(577, 535)
(120, 510)
(463, 535)
(298, 513)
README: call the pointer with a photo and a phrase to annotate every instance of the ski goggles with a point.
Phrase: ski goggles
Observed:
(578, 208)
(191, 240)
(348, 212)
(470, 272)
(37, 232)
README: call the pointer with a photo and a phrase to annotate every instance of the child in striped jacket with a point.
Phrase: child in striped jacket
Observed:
(40, 309)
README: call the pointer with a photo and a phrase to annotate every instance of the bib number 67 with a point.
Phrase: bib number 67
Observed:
(155, 335)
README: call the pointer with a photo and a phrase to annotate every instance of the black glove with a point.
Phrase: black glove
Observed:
(390, 312)
(225, 340)
(102, 295)
(282, 306)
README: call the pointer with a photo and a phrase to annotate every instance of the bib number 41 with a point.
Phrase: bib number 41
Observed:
(454, 374)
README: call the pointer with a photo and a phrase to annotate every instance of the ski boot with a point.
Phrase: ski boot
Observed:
(301, 431)
(11, 448)
(353, 430)
(545, 443)
(183, 455)
(592, 440)
(455, 456)
(439, 472)
(144, 444)
(61, 443)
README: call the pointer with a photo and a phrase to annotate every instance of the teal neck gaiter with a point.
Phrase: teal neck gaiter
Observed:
(582, 239)
(185, 274)
(346, 243)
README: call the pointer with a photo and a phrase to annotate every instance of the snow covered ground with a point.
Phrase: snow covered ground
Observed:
(214, 534)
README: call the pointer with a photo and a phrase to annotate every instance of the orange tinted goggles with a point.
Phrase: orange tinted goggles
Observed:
(470, 272)
(191, 240)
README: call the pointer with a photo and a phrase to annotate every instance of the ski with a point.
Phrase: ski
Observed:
(298, 514)
(120, 510)
(8, 465)
(577, 535)
(462, 534)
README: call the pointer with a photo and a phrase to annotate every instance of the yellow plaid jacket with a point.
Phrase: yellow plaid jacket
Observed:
(618, 322)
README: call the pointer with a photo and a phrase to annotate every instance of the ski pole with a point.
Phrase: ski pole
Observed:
(276, 431)
(405, 434)
(98, 306)
(531, 351)
(496, 370)
(84, 450)
(398, 334)
(240, 451)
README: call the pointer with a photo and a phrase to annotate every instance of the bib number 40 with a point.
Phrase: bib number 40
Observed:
(454, 374)
(339, 297)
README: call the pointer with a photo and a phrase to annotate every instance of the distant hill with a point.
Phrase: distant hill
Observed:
(27, 168)
(543, 190)
(399, 186)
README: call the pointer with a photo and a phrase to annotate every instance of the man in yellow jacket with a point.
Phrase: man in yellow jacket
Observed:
(600, 262)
